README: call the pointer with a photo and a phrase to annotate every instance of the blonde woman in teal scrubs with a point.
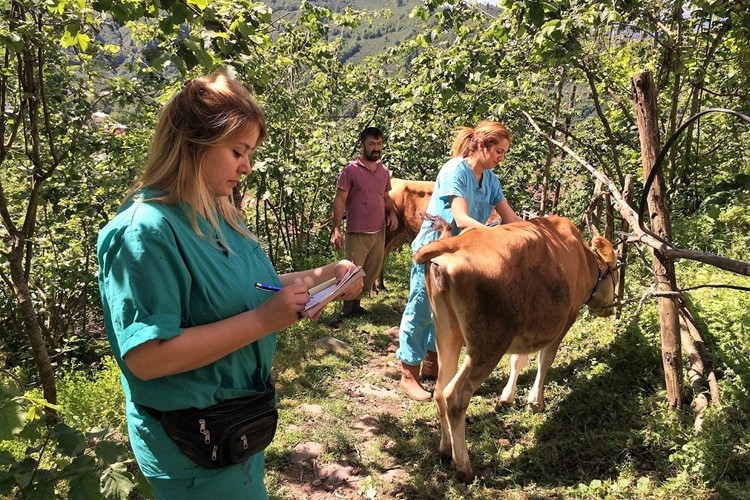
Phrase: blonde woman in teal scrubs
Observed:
(177, 268)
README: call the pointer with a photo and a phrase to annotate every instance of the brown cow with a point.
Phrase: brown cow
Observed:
(516, 289)
(410, 199)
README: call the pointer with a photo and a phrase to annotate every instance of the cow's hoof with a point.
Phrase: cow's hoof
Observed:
(535, 407)
(465, 476)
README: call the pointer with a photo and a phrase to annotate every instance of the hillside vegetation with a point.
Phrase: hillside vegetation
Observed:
(388, 24)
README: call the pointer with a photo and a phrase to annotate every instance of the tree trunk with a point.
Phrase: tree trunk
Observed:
(556, 197)
(691, 135)
(596, 214)
(622, 249)
(33, 112)
(644, 96)
(605, 123)
(31, 323)
(700, 372)
(674, 53)
(550, 146)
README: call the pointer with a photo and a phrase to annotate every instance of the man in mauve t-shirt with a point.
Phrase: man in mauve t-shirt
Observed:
(362, 195)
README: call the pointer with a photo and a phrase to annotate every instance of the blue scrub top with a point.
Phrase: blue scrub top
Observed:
(157, 276)
(457, 179)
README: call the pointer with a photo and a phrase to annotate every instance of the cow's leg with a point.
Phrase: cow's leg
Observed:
(449, 342)
(393, 241)
(379, 284)
(453, 390)
(449, 351)
(545, 358)
(458, 394)
(517, 362)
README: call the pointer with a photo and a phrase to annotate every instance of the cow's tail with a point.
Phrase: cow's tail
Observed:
(434, 248)
(439, 225)
(429, 251)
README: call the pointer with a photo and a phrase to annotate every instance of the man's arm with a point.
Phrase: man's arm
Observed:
(391, 216)
(339, 207)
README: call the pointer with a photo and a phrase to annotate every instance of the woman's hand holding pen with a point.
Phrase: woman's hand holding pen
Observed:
(286, 302)
(284, 306)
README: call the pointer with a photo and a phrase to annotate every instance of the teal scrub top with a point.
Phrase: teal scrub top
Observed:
(157, 276)
(457, 179)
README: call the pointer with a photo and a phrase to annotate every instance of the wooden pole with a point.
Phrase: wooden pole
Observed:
(644, 98)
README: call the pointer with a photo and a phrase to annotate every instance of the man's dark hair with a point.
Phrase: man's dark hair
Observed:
(373, 132)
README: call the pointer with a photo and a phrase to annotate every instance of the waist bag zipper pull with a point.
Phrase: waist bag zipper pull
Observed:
(206, 433)
(244, 442)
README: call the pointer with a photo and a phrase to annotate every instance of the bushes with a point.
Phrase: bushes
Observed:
(93, 400)
(68, 454)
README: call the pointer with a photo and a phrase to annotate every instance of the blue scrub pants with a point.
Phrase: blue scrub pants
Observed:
(417, 332)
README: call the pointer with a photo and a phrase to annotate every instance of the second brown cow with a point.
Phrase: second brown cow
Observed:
(410, 199)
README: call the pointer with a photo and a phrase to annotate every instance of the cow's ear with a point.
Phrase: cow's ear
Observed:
(604, 250)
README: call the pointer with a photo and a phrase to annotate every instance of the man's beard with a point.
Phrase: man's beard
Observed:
(372, 155)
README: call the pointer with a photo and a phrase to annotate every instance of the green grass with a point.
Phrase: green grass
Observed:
(606, 433)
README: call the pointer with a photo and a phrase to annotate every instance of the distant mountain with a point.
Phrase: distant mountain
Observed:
(370, 38)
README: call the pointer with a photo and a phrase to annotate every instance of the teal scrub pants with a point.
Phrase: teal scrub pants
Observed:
(243, 481)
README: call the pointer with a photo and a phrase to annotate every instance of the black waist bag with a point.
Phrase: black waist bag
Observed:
(223, 434)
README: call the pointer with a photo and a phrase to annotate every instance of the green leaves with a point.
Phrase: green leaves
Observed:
(85, 484)
(201, 4)
(71, 442)
(91, 466)
(11, 419)
(112, 453)
(117, 482)
(82, 40)
(421, 12)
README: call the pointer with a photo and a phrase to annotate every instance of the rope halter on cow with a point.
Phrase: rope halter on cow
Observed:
(604, 273)
(607, 264)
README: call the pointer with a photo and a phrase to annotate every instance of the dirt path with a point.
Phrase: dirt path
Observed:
(309, 478)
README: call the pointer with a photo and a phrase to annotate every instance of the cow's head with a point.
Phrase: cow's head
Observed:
(601, 301)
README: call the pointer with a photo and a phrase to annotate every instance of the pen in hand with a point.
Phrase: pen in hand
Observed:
(267, 287)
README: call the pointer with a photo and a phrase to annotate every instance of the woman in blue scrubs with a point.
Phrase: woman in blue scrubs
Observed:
(465, 195)
(177, 268)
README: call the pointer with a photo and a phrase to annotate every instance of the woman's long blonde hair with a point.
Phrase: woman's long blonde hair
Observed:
(486, 133)
(207, 111)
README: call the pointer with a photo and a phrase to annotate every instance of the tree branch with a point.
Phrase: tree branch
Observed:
(630, 215)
